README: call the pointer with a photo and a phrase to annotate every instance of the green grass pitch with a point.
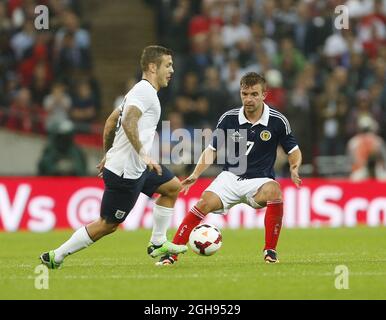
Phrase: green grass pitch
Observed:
(117, 267)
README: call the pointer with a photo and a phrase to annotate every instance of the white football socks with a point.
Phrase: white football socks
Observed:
(161, 223)
(78, 241)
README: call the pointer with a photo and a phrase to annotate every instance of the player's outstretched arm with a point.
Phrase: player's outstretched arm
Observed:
(108, 137)
(130, 126)
(295, 160)
(206, 159)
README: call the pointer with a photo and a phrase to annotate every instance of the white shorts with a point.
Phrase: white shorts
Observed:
(232, 191)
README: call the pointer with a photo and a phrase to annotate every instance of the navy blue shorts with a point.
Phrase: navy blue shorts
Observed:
(121, 194)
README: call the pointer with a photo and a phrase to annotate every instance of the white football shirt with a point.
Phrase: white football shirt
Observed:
(122, 159)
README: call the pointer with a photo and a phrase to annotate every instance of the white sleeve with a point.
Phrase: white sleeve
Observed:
(140, 98)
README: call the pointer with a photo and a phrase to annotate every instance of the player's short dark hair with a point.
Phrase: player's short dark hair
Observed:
(252, 78)
(153, 54)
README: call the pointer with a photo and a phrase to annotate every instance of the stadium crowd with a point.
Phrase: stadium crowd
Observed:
(46, 76)
(329, 82)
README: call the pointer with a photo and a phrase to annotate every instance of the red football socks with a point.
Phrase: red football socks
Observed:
(272, 222)
(192, 219)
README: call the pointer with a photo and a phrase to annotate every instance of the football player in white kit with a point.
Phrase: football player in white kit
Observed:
(127, 169)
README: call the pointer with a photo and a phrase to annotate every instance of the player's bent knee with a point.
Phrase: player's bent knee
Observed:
(176, 187)
(173, 188)
(204, 206)
(272, 191)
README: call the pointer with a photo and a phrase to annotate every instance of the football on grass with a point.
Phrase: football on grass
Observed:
(205, 239)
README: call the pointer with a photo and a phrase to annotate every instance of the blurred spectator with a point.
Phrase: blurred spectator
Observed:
(372, 31)
(299, 113)
(268, 18)
(357, 71)
(24, 115)
(367, 151)
(57, 105)
(71, 57)
(290, 61)
(331, 115)
(231, 75)
(363, 108)
(179, 25)
(206, 20)
(193, 106)
(286, 18)
(83, 110)
(235, 31)
(71, 25)
(199, 58)
(7, 63)
(276, 95)
(41, 83)
(23, 40)
(61, 156)
(218, 98)
(217, 54)
(261, 41)
(5, 22)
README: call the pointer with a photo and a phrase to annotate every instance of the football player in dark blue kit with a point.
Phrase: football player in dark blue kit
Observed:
(251, 179)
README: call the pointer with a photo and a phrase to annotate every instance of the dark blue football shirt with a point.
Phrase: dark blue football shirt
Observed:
(252, 147)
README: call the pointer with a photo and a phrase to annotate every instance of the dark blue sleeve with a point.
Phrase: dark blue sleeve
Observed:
(286, 138)
(218, 136)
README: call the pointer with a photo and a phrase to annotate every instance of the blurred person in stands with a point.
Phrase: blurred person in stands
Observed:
(83, 110)
(208, 18)
(71, 25)
(71, 57)
(217, 95)
(61, 156)
(41, 83)
(57, 105)
(363, 107)
(5, 21)
(290, 61)
(23, 40)
(23, 114)
(367, 151)
(331, 109)
(276, 94)
(235, 30)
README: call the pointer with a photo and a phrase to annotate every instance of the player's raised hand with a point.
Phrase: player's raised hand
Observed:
(295, 177)
(152, 164)
(100, 167)
(187, 183)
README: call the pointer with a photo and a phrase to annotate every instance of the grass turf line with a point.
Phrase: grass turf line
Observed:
(117, 267)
